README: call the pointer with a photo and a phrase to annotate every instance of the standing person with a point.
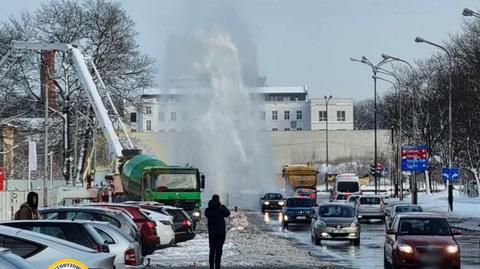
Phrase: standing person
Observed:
(216, 214)
(29, 209)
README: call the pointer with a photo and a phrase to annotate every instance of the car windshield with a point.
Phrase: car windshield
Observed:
(165, 182)
(273, 196)
(424, 226)
(347, 186)
(401, 209)
(370, 200)
(293, 202)
(336, 211)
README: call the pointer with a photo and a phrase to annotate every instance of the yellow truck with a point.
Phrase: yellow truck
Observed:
(301, 179)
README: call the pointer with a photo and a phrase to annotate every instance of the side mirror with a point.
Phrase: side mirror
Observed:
(202, 181)
(457, 232)
(390, 231)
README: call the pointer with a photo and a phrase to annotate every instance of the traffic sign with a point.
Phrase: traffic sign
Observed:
(417, 165)
(414, 158)
(450, 173)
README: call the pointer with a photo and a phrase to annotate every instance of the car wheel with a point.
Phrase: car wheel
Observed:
(263, 210)
(285, 225)
(317, 241)
(194, 225)
(356, 242)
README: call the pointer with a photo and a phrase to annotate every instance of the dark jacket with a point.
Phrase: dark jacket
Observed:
(216, 214)
(29, 209)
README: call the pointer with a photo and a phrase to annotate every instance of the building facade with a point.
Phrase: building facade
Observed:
(279, 109)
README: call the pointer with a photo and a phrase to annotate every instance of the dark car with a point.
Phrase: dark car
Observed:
(272, 201)
(150, 240)
(182, 223)
(76, 232)
(392, 211)
(118, 218)
(417, 240)
(298, 210)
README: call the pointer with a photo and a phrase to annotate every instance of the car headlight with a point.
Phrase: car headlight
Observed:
(405, 248)
(451, 249)
(266, 203)
(281, 203)
(285, 217)
(196, 214)
(354, 223)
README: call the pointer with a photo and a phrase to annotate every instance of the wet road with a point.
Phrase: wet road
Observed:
(370, 252)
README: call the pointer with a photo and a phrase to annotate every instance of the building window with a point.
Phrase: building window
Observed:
(171, 99)
(299, 129)
(299, 114)
(148, 110)
(184, 116)
(322, 115)
(133, 117)
(286, 115)
(341, 115)
(286, 129)
(274, 129)
(263, 115)
(148, 124)
(173, 116)
(274, 115)
(161, 116)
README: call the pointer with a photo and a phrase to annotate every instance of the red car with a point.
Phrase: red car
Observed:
(150, 240)
(415, 240)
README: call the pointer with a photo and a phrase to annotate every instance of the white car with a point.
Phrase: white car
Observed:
(126, 248)
(43, 250)
(165, 229)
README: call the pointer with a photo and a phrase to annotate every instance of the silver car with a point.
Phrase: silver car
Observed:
(43, 250)
(392, 211)
(8, 260)
(127, 250)
(371, 207)
(335, 221)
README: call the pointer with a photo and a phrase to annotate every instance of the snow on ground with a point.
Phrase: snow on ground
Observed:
(246, 246)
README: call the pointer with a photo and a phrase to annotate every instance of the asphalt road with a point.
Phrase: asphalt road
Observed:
(370, 252)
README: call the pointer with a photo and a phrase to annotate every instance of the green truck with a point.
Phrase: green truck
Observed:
(147, 178)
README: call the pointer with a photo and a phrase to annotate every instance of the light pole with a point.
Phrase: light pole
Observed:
(364, 60)
(450, 70)
(327, 100)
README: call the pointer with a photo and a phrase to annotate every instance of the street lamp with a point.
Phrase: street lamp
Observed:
(450, 70)
(327, 100)
(364, 60)
(470, 13)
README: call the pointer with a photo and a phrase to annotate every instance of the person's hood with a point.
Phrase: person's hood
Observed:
(214, 204)
(30, 197)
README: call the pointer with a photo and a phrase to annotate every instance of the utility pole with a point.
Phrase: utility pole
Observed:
(327, 100)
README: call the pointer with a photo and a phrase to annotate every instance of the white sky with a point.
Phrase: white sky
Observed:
(306, 42)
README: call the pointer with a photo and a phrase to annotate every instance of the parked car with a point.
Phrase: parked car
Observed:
(307, 193)
(418, 240)
(298, 210)
(148, 228)
(371, 207)
(335, 221)
(181, 221)
(118, 217)
(392, 211)
(272, 201)
(8, 260)
(165, 228)
(43, 250)
(79, 232)
(127, 249)
(352, 199)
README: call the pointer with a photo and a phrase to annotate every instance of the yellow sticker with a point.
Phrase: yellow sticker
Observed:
(67, 264)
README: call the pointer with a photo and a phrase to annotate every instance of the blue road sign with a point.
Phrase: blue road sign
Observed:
(417, 165)
(452, 173)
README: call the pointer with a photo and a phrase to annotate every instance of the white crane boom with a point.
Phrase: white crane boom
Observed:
(89, 85)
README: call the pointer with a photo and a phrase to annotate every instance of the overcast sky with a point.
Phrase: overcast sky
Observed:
(304, 42)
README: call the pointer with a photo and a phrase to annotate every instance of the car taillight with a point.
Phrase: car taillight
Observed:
(312, 196)
(130, 258)
(151, 225)
(186, 222)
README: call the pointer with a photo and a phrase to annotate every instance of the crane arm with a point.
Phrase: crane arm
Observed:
(89, 85)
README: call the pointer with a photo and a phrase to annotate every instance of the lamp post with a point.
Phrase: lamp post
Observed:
(364, 60)
(450, 70)
(327, 100)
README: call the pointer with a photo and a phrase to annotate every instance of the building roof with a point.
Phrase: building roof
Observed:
(259, 90)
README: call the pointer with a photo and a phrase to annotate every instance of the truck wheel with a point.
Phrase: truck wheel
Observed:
(356, 242)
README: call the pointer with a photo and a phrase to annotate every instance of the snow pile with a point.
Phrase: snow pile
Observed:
(237, 221)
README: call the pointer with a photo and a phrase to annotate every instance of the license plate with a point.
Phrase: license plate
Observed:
(301, 217)
(337, 231)
(429, 259)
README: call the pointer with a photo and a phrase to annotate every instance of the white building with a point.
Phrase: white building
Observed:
(281, 109)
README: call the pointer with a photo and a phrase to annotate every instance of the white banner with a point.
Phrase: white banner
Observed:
(32, 156)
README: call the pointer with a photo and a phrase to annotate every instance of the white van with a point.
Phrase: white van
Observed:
(345, 185)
